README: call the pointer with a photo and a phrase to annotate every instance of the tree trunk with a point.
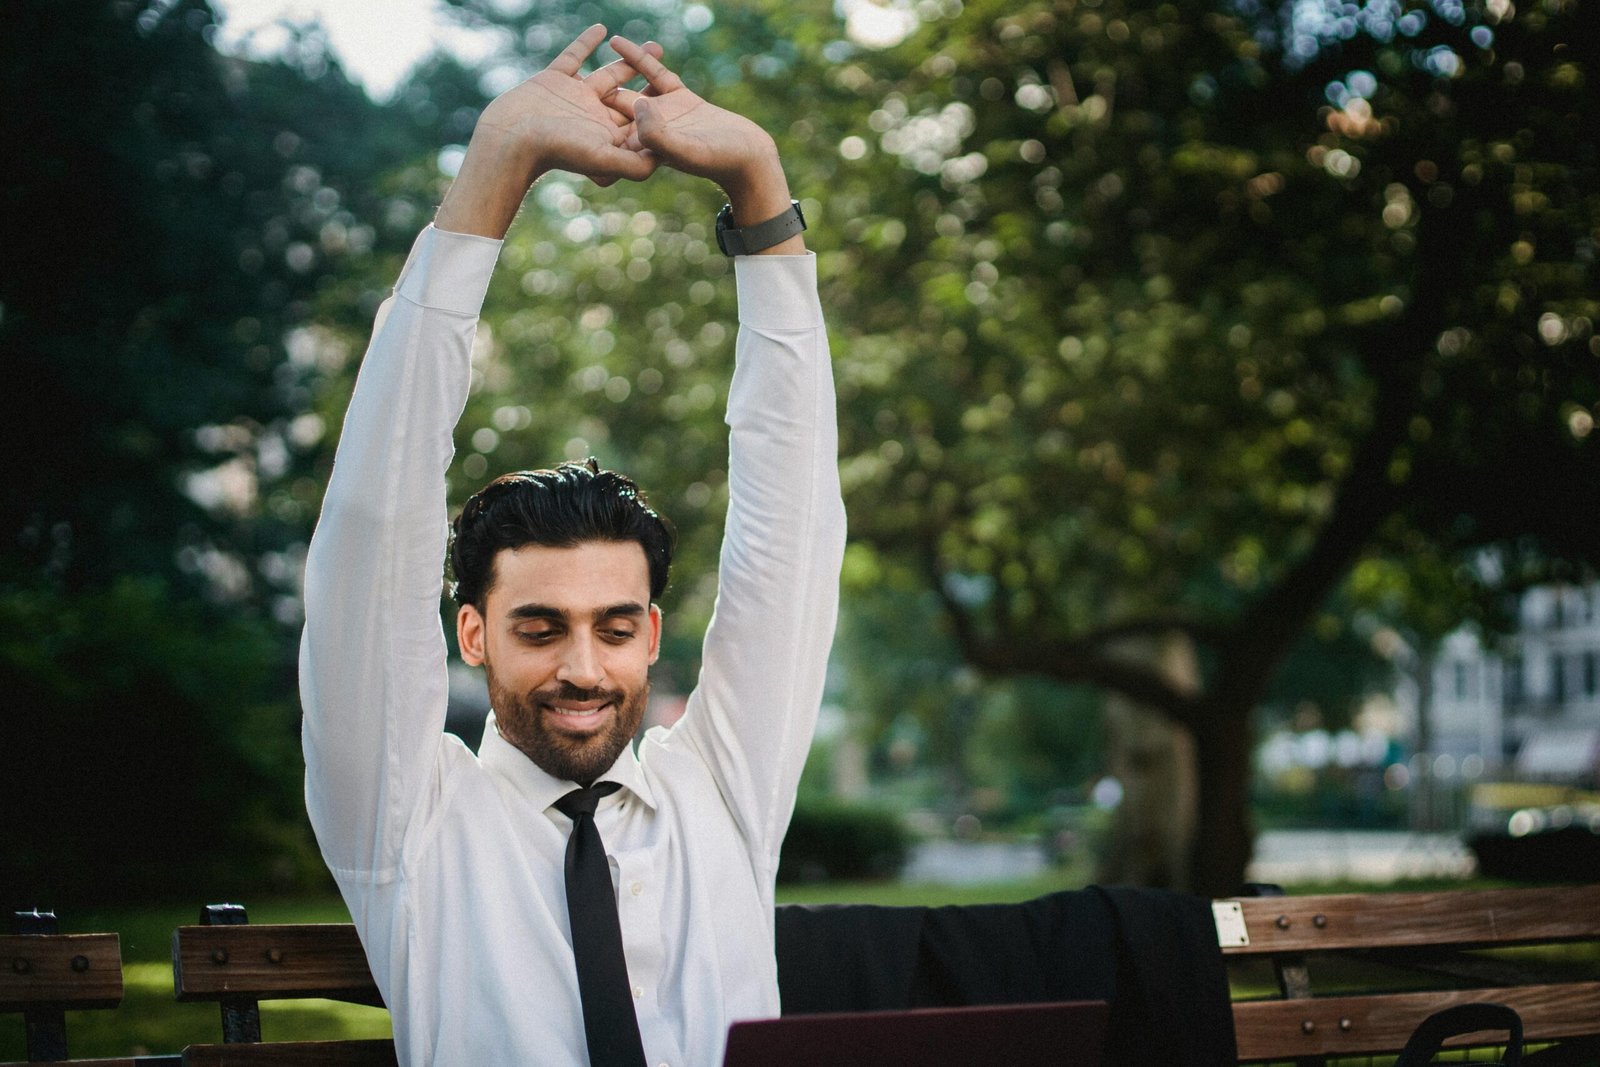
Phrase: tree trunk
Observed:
(1153, 757)
(1224, 827)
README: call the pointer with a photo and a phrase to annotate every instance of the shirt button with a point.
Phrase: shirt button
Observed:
(637, 992)
(636, 888)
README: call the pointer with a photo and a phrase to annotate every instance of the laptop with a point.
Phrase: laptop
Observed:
(1069, 1034)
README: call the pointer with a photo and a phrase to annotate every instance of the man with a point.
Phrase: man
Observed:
(460, 870)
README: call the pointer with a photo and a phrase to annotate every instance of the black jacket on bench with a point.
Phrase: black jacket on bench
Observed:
(1151, 954)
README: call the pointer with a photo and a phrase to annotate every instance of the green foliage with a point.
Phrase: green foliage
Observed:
(902, 674)
(1145, 316)
(941, 736)
(172, 217)
(1138, 325)
(176, 214)
(1168, 316)
(1333, 796)
(831, 841)
(150, 745)
(1038, 743)
(1335, 666)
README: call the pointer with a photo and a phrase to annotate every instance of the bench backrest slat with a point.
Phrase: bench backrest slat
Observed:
(1360, 1025)
(70, 971)
(1456, 919)
(293, 1054)
(271, 962)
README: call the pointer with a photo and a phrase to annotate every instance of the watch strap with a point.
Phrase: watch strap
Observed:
(763, 235)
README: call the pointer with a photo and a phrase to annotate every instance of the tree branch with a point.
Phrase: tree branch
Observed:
(1367, 495)
(1072, 661)
(1152, 625)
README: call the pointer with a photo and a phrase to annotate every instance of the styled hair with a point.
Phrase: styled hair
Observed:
(560, 508)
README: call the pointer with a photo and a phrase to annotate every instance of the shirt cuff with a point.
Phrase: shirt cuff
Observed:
(778, 292)
(448, 271)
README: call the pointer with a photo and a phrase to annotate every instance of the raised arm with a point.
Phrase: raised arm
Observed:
(373, 681)
(766, 650)
(372, 658)
(753, 712)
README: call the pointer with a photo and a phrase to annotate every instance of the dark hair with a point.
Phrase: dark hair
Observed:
(560, 508)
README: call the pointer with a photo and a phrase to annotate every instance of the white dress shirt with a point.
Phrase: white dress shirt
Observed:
(451, 863)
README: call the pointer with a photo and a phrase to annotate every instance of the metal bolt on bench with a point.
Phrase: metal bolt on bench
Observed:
(48, 973)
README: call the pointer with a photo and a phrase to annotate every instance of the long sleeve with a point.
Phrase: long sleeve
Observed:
(766, 650)
(372, 657)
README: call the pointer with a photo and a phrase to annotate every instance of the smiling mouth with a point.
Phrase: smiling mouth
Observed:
(587, 713)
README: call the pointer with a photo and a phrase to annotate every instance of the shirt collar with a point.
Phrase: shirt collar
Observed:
(542, 789)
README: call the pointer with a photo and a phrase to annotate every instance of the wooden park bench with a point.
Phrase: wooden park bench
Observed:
(45, 973)
(237, 965)
(1383, 962)
(1410, 954)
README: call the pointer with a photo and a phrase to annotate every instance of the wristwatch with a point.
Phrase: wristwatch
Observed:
(752, 239)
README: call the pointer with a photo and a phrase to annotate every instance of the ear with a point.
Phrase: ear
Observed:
(470, 635)
(655, 632)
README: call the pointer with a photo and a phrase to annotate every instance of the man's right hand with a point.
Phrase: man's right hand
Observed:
(556, 120)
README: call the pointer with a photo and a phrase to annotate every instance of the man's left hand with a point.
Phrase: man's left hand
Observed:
(689, 133)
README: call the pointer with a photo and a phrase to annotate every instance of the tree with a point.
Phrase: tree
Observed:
(1224, 309)
(1189, 318)
(171, 217)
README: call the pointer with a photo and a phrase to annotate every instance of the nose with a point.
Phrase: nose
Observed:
(581, 665)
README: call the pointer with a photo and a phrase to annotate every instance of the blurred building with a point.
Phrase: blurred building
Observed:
(1528, 704)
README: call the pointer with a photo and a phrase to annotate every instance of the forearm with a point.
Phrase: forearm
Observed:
(762, 193)
(783, 444)
(489, 189)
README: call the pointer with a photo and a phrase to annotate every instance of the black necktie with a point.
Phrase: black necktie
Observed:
(609, 1023)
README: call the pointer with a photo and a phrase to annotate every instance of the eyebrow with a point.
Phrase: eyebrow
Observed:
(626, 609)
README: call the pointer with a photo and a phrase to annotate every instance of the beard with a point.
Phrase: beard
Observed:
(524, 720)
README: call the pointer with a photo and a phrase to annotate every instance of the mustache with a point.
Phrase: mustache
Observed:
(568, 691)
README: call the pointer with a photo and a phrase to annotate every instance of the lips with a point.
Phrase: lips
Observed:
(579, 715)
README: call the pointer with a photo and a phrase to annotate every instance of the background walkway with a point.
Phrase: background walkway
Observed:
(1283, 856)
(1377, 856)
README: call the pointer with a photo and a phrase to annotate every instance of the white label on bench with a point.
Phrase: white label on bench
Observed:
(1229, 917)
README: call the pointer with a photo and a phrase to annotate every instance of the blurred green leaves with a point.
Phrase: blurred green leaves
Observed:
(172, 216)
(1166, 316)
(1222, 318)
